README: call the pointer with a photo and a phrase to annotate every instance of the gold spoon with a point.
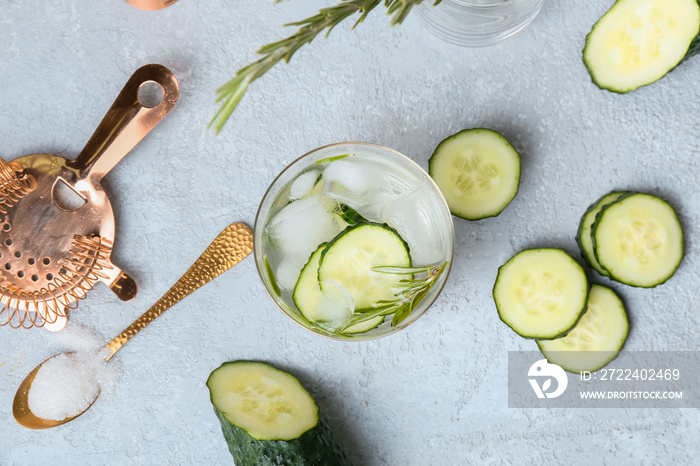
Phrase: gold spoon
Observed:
(228, 249)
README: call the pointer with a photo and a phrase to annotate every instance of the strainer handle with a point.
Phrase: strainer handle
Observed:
(228, 249)
(126, 122)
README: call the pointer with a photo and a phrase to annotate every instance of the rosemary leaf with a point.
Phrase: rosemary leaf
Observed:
(398, 270)
(231, 93)
(408, 294)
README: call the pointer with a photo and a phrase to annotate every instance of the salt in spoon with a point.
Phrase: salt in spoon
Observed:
(228, 249)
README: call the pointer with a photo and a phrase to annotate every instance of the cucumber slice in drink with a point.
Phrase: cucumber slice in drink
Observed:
(638, 240)
(307, 294)
(348, 260)
(325, 309)
(583, 237)
(267, 417)
(598, 337)
(541, 293)
(638, 41)
(478, 172)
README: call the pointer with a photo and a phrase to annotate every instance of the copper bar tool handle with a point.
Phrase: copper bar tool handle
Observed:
(126, 123)
(150, 4)
(228, 249)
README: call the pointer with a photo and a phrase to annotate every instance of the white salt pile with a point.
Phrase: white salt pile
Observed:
(65, 385)
(68, 383)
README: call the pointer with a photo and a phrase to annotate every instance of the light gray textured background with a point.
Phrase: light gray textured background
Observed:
(433, 394)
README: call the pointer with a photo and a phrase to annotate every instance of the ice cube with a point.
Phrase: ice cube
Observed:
(369, 207)
(304, 223)
(303, 184)
(415, 216)
(360, 183)
(356, 176)
(298, 229)
(337, 304)
(287, 274)
(357, 182)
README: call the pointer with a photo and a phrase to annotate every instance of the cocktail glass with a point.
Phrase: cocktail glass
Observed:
(299, 212)
(476, 23)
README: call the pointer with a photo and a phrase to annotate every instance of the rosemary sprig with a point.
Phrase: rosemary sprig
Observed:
(231, 93)
(409, 292)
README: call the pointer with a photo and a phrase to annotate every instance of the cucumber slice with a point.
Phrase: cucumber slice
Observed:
(324, 308)
(638, 41)
(348, 260)
(598, 337)
(584, 238)
(638, 240)
(267, 417)
(307, 292)
(271, 277)
(541, 293)
(478, 172)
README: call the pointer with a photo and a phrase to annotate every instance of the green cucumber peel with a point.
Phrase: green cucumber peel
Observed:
(332, 159)
(585, 231)
(271, 276)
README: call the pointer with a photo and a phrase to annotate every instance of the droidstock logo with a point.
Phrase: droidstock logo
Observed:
(542, 370)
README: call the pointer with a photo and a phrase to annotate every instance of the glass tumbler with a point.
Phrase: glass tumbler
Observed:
(476, 23)
(323, 195)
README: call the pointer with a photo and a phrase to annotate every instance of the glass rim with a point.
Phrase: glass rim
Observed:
(268, 191)
(485, 5)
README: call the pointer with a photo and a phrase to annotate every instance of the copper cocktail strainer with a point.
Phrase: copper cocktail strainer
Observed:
(56, 222)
